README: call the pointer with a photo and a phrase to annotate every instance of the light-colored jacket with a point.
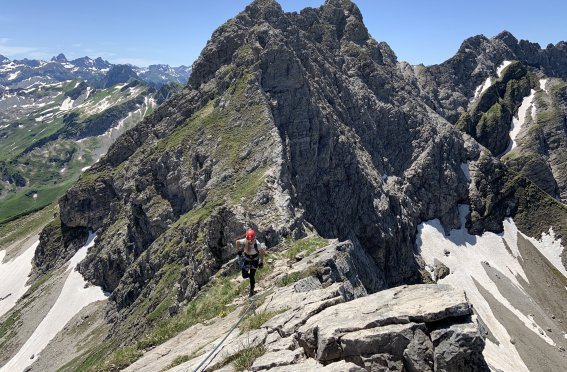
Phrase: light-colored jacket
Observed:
(248, 247)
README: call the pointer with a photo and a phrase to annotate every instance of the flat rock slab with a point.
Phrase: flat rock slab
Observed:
(311, 365)
(303, 306)
(277, 359)
(322, 333)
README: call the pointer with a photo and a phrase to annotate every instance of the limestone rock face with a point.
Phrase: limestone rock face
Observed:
(290, 123)
(303, 117)
(326, 326)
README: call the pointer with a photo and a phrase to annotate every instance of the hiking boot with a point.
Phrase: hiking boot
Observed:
(251, 293)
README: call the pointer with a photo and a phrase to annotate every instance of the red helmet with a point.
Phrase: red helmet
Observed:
(250, 234)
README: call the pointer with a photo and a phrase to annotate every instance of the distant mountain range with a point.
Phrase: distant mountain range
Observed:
(26, 72)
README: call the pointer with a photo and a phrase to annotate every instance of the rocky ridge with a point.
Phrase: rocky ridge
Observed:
(327, 321)
(290, 122)
(25, 73)
(465, 91)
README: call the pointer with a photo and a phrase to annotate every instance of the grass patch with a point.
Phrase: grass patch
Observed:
(91, 360)
(38, 283)
(21, 227)
(244, 358)
(296, 276)
(309, 244)
(208, 305)
(23, 202)
(16, 139)
(256, 321)
(8, 323)
(182, 359)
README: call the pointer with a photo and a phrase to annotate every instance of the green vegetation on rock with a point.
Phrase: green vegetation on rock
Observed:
(255, 321)
(308, 244)
(21, 227)
(244, 359)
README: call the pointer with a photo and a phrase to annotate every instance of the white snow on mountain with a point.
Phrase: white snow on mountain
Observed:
(551, 249)
(13, 75)
(67, 104)
(518, 122)
(481, 88)
(75, 295)
(13, 277)
(502, 67)
(468, 256)
(489, 80)
(543, 85)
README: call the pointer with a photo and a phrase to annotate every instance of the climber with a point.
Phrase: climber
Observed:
(251, 256)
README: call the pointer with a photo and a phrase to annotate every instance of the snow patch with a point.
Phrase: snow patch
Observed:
(501, 68)
(518, 122)
(67, 104)
(85, 168)
(468, 256)
(481, 88)
(542, 85)
(13, 75)
(13, 277)
(43, 117)
(551, 249)
(73, 297)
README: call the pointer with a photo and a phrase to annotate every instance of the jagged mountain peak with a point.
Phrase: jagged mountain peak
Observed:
(119, 74)
(507, 37)
(294, 124)
(59, 58)
(4, 59)
(333, 23)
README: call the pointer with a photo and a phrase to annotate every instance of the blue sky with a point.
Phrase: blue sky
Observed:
(174, 32)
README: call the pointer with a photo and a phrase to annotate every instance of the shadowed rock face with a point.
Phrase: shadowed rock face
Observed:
(449, 87)
(354, 150)
(289, 121)
(328, 322)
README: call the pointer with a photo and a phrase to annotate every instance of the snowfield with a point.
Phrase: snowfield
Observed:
(67, 104)
(13, 277)
(74, 296)
(551, 249)
(518, 123)
(488, 82)
(470, 258)
(502, 67)
(543, 85)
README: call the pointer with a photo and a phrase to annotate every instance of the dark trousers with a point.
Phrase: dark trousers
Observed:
(250, 274)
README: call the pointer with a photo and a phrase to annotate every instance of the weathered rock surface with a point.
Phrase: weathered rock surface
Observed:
(293, 122)
(352, 153)
(382, 323)
(456, 348)
(324, 327)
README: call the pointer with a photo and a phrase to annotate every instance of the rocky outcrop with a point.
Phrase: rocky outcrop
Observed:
(329, 324)
(118, 74)
(490, 119)
(388, 322)
(449, 87)
(542, 146)
(327, 102)
(292, 122)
